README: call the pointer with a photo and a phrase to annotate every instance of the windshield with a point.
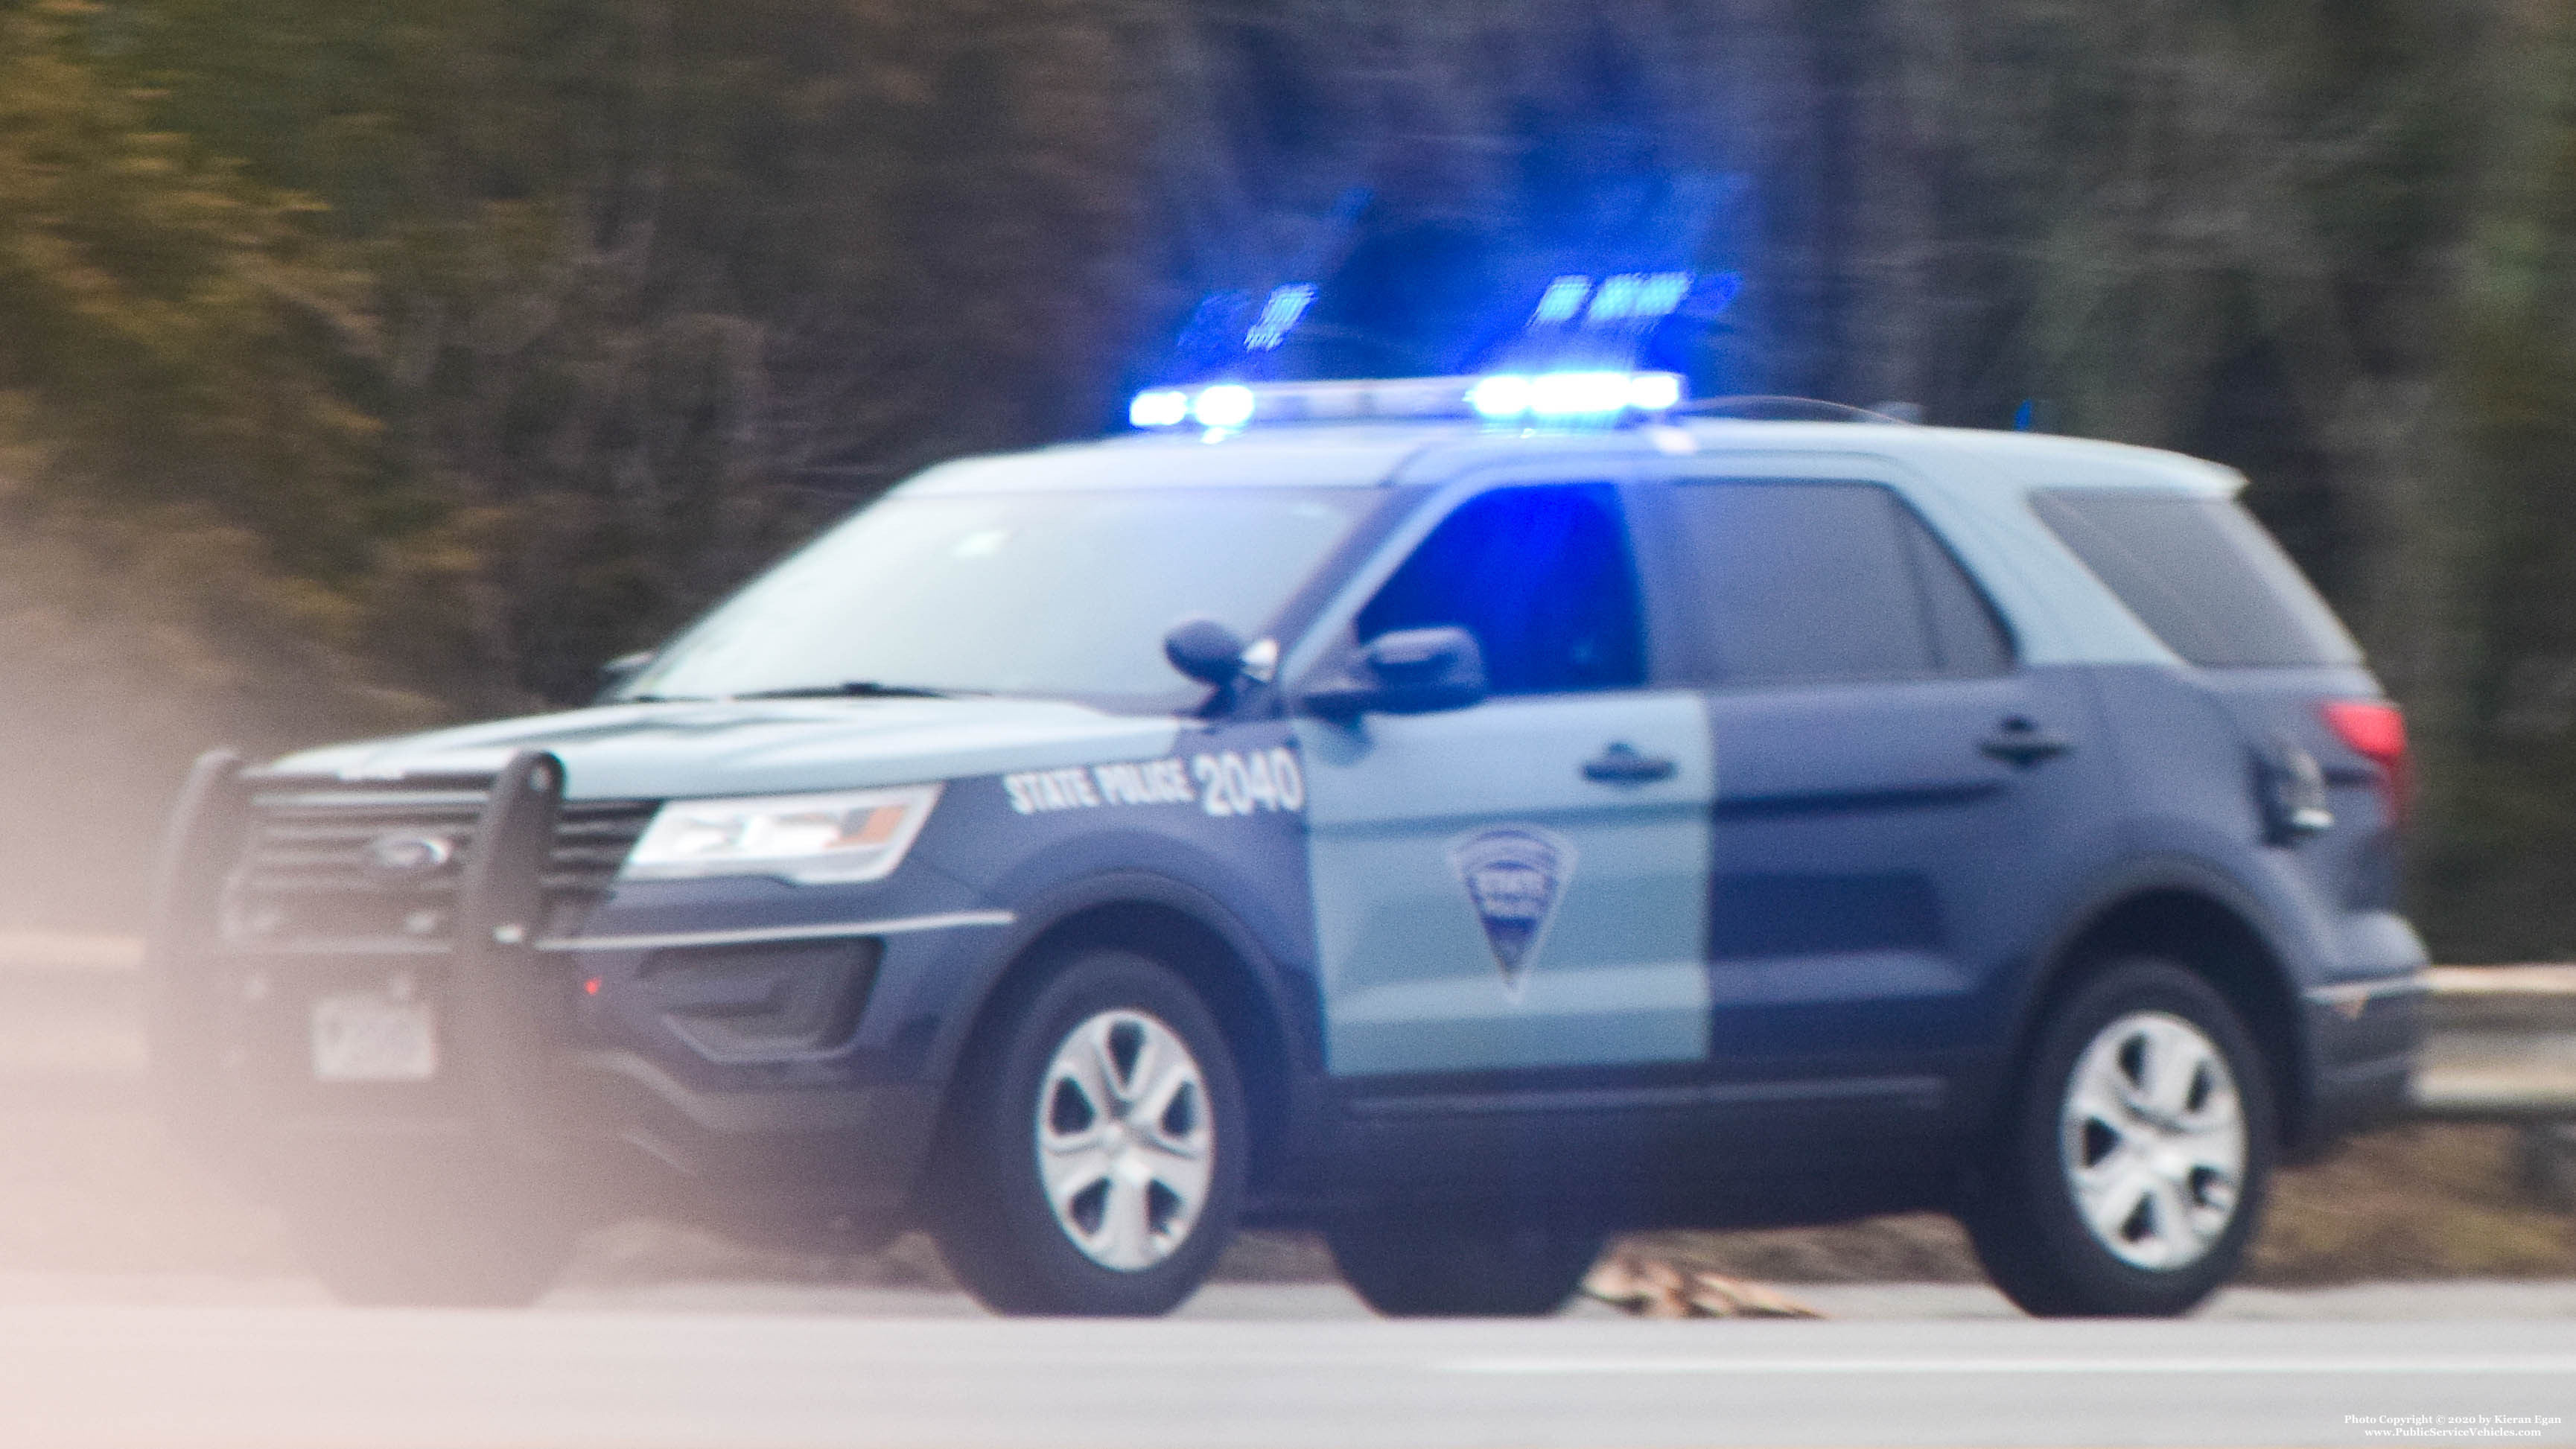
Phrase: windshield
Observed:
(1013, 593)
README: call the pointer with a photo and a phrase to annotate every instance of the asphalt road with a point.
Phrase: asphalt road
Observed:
(742, 1367)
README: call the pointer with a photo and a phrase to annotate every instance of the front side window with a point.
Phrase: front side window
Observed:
(1043, 593)
(1541, 576)
(1809, 582)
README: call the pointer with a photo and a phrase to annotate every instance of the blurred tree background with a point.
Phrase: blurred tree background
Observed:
(365, 363)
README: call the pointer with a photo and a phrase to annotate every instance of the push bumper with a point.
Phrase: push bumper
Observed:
(520, 1090)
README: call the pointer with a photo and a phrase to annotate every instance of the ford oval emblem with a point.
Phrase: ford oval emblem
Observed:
(409, 855)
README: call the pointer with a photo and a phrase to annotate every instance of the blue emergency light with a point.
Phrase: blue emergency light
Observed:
(1557, 398)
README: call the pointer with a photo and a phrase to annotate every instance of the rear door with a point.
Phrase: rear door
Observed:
(1901, 809)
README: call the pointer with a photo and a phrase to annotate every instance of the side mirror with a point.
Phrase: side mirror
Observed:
(1408, 671)
(1206, 651)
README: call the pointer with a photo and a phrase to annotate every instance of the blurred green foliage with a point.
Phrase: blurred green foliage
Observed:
(382, 360)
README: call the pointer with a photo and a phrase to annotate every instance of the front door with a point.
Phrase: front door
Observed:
(1521, 884)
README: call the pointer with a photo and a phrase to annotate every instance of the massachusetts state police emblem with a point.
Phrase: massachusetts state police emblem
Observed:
(1514, 877)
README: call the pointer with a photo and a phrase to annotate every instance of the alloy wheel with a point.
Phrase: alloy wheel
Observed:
(1125, 1139)
(2152, 1139)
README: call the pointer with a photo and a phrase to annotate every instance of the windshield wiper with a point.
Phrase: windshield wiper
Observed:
(851, 689)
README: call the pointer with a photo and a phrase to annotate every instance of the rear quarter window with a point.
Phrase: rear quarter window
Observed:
(2201, 573)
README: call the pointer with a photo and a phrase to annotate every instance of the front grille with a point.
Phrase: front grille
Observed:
(377, 868)
(592, 838)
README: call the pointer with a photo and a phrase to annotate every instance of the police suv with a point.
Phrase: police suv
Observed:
(1466, 817)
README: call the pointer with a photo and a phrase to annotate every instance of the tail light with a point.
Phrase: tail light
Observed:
(2376, 730)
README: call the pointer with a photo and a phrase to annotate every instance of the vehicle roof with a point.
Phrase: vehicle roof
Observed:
(1971, 485)
(1372, 455)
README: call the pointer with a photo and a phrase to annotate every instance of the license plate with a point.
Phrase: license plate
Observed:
(364, 1037)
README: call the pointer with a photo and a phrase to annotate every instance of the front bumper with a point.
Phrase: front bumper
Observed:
(581, 1048)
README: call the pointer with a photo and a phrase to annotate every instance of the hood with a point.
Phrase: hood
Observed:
(758, 747)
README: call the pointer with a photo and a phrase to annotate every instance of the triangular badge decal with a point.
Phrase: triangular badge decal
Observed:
(1514, 876)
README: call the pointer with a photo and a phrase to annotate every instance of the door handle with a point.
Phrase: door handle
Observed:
(2021, 743)
(1622, 765)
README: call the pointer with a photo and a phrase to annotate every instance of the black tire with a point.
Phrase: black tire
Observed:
(1411, 1269)
(2186, 1231)
(992, 1215)
(432, 1251)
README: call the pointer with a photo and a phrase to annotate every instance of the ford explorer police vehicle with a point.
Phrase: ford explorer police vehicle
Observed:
(1463, 816)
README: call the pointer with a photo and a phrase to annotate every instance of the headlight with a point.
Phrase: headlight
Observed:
(852, 835)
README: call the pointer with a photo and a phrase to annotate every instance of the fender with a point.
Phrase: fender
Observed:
(1287, 999)
(2053, 957)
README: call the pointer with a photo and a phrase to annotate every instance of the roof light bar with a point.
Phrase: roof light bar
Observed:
(1563, 396)
(1226, 405)
(1655, 392)
(1161, 408)
(1569, 396)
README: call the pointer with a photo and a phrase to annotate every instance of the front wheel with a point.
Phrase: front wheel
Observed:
(1418, 1269)
(2132, 1170)
(1100, 1150)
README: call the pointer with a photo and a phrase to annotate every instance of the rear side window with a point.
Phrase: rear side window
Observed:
(2200, 573)
(1798, 581)
(1541, 576)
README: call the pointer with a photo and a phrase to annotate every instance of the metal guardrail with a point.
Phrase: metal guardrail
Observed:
(2502, 1046)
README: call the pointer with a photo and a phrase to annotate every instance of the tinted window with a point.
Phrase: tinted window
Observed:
(1966, 640)
(1824, 581)
(2204, 576)
(1541, 577)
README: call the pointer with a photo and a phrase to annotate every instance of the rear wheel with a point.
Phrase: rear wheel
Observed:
(432, 1250)
(1100, 1155)
(2132, 1170)
(1408, 1269)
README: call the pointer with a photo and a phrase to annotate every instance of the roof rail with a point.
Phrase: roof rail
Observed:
(1770, 408)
